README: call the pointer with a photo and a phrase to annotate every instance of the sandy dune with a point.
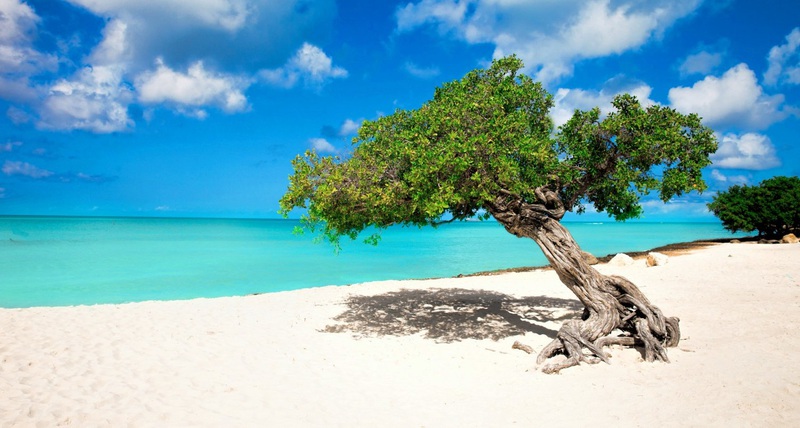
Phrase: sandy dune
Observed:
(433, 353)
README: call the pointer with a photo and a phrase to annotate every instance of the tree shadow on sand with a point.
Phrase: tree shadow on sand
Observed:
(449, 315)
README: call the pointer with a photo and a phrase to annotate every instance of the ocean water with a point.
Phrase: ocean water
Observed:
(57, 261)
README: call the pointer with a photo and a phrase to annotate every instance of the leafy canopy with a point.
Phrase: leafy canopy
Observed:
(489, 134)
(772, 208)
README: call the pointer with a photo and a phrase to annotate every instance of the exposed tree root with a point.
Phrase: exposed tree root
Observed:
(641, 324)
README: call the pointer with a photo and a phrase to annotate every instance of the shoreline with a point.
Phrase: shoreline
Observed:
(670, 250)
(415, 353)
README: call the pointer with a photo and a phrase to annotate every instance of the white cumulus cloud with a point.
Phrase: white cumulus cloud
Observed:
(568, 100)
(195, 88)
(245, 34)
(349, 127)
(115, 47)
(735, 98)
(24, 169)
(95, 99)
(19, 61)
(226, 14)
(309, 63)
(17, 31)
(747, 151)
(234, 38)
(784, 61)
(683, 207)
(733, 179)
(447, 14)
(322, 145)
(549, 36)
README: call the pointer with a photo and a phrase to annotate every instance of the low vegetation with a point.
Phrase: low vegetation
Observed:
(772, 207)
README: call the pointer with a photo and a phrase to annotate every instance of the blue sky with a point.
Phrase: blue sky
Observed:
(196, 107)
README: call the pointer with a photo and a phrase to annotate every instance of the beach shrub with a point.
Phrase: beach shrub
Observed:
(772, 207)
(485, 146)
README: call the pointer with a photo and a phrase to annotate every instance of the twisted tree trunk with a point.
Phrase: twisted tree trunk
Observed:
(610, 302)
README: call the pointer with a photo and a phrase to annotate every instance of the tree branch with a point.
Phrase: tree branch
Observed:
(439, 223)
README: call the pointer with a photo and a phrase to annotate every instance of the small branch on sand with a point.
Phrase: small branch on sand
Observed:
(522, 347)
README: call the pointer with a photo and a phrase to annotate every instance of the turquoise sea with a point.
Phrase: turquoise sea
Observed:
(56, 261)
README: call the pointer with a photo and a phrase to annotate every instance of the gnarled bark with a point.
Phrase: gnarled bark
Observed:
(610, 302)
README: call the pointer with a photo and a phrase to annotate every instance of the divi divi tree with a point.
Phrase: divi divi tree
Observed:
(485, 146)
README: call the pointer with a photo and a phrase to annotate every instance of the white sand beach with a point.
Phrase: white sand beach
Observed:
(434, 353)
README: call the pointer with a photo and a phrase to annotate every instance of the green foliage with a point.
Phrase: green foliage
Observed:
(633, 151)
(772, 208)
(488, 134)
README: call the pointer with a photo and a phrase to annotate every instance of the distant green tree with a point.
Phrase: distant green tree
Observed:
(772, 208)
(485, 146)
